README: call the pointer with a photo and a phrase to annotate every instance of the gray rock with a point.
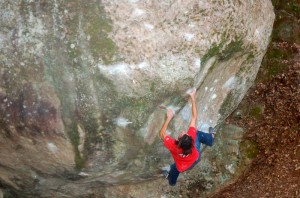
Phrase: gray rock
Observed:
(231, 132)
(80, 86)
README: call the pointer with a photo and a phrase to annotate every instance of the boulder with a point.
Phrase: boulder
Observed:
(81, 84)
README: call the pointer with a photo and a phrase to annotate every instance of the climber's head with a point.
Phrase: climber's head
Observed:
(185, 142)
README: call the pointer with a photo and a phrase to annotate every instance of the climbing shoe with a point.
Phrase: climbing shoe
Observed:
(165, 173)
(211, 130)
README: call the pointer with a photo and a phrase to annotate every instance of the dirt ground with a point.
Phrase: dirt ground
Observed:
(275, 127)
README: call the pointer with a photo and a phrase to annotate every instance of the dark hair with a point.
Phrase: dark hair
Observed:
(185, 143)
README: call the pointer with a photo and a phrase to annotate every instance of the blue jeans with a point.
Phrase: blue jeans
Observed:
(201, 137)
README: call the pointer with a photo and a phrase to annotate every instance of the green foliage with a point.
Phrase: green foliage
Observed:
(291, 6)
(294, 6)
(286, 26)
(273, 60)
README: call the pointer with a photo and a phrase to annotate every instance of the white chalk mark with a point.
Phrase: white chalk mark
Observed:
(121, 122)
(230, 83)
(230, 168)
(52, 147)
(204, 127)
(120, 68)
(138, 12)
(143, 65)
(133, 1)
(197, 63)
(83, 174)
(188, 36)
(148, 26)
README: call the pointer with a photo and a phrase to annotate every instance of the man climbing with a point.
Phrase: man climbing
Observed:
(186, 150)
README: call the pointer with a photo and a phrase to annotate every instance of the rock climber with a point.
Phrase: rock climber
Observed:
(186, 149)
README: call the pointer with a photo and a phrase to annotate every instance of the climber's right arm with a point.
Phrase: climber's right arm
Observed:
(163, 130)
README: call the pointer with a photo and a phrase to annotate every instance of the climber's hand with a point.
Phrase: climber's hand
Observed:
(170, 114)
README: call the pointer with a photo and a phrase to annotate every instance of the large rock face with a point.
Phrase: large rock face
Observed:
(81, 82)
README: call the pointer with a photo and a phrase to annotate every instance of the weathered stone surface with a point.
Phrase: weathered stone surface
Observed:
(81, 82)
(231, 132)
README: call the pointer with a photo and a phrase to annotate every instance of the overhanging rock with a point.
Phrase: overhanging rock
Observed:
(81, 83)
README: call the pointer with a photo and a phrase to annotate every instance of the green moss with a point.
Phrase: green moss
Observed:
(249, 149)
(92, 133)
(97, 26)
(231, 49)
(256, 112)
(222, 53)
(285, 28)
(152, 87)
(74, 138)
(276, 68)
(277, 53)
(79, 161)
(250, 57)
(213, 51)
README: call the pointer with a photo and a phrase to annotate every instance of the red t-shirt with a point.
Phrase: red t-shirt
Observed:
(182, 162)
